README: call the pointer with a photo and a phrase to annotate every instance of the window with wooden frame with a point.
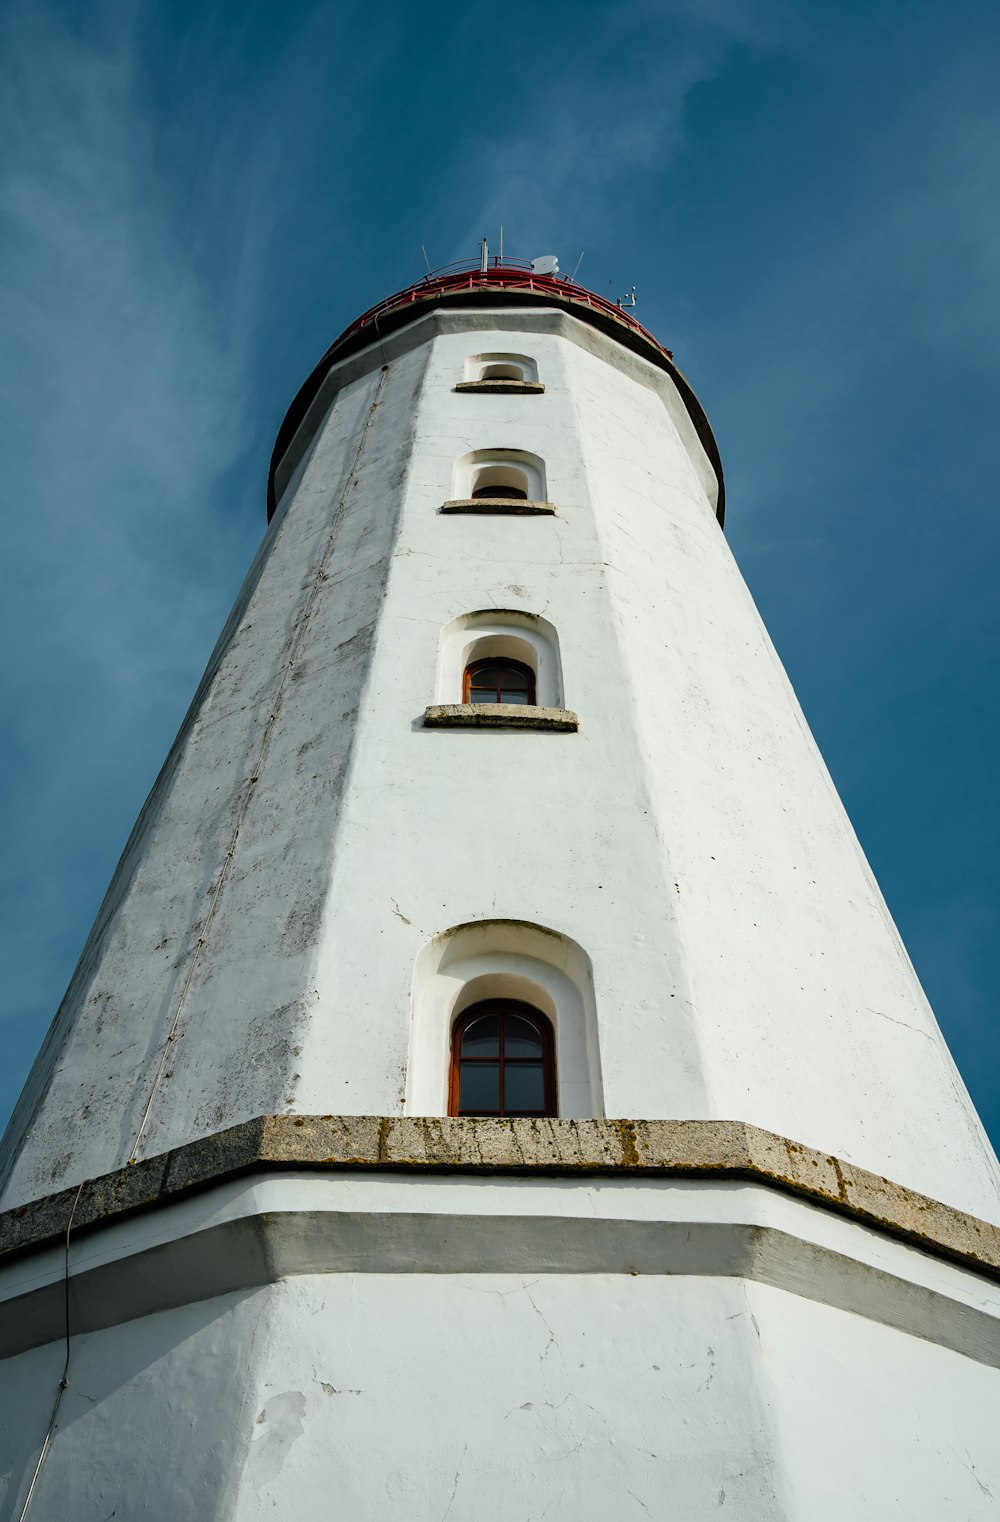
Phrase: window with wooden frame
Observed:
(498, 681)
(502, 1061)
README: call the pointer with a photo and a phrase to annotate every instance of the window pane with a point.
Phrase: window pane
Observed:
(524, 1087)
(514, 678)
(518, 695)
(482, 1037)
(520, 1038)
(479, 1088)
(482, 694)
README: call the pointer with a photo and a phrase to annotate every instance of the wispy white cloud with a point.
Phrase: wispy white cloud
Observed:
(126, 395)
(124, 400)
(96, 290)
(608, 104)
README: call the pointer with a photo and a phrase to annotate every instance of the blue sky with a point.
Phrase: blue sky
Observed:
(196, 198)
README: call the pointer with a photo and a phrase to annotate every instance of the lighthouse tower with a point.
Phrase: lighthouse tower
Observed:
(494, 1087)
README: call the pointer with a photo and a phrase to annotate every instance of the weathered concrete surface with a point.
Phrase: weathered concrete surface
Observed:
(309, 841)
(523, 508)
(683, 1148)
(498, 716)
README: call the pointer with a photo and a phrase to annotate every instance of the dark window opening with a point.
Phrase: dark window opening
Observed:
(513, 493)
(498, 681)
(502, 1061)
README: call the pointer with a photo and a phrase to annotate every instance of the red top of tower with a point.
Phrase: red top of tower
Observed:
(468, 278)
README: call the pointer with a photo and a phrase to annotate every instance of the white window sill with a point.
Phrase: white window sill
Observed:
(499, 716)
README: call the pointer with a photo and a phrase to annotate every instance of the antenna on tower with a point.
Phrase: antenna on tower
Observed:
(626, 301)
(577, 265)
(501, 242)
(545, 264)
(484, 257)
(426, 260)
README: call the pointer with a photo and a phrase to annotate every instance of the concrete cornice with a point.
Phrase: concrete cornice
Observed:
(687, 1149)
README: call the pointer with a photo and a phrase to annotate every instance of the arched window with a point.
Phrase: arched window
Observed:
(498, 681)
(502, 1061)
(500, 372)
(503, 473)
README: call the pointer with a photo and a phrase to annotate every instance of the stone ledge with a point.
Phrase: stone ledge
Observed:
(517, 506)
(498, 716)
(688, 1149)
(528, 388)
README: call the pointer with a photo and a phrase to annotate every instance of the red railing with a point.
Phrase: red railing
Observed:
(511, 274)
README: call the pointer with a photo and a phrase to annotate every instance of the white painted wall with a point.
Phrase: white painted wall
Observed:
(503, 1395)
(687, 839)
(873, 1423)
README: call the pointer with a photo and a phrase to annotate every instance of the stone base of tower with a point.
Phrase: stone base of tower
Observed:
(382, 1344)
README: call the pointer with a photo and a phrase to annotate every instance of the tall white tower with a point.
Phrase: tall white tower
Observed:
(494, 1087)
